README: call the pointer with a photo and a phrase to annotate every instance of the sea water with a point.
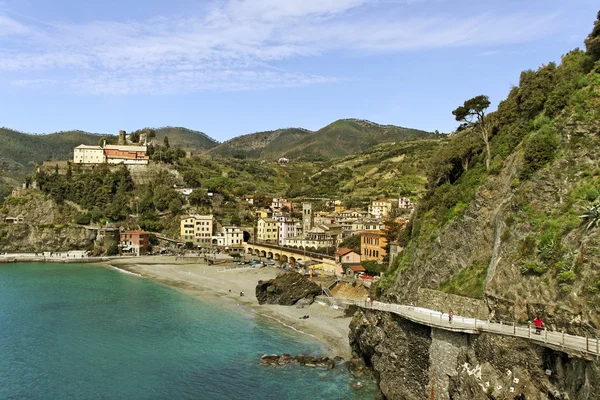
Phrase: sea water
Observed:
(87, 332)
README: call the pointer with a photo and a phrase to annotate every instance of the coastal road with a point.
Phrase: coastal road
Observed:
(557, 340)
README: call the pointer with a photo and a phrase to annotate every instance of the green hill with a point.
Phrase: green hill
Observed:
(189, 140)
(339, 139)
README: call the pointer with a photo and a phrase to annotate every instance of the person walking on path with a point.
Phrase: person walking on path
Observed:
(539, 325)
(450, 315)
(372, 299)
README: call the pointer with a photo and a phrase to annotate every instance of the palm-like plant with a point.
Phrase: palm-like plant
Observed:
(591, 217)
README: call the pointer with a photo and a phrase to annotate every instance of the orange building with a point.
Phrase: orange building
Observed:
(372, 245)
(134, 242)
(120, 154)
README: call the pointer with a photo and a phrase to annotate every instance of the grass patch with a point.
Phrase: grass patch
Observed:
(469, 282)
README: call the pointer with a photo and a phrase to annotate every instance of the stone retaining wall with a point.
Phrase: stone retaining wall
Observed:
(443, 302)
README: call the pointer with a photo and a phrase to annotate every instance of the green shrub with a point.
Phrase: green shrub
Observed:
(83, 219)
(540, 149)
(566, 277)
(469, 282)
(534, 267)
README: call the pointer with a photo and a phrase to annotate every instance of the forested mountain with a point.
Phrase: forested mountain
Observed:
(339, 139)
(187, 139)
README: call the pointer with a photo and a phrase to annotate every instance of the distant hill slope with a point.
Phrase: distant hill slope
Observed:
(20, 152)
(339, 139)
(188, 139)
(25, 149)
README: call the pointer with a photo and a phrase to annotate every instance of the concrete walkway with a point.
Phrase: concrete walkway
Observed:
(557, 340)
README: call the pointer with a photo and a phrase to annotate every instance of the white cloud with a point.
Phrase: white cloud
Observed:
(231, 46)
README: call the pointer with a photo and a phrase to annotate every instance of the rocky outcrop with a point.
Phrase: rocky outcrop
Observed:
(46, 226)
(287, 289)
(412, 361)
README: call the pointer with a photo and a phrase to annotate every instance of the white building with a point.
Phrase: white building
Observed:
(87, 155)
(287, 229)
(404, 202)
(380, 208)
(230, 236)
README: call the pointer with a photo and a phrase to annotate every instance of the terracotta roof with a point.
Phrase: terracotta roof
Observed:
(343, 251)
(357, 268)
(137, 231)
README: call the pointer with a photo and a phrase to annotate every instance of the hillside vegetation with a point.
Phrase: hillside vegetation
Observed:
(521, 234)
(339, 139)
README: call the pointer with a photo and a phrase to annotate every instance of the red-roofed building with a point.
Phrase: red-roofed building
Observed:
(134, 242)
(353, 271)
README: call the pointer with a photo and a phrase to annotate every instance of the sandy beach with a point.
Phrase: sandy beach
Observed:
(215, 282)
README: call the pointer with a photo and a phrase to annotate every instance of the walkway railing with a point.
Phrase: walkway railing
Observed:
(440, 320)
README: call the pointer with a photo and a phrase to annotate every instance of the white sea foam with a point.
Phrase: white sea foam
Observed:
(284, 324)
(124, 271)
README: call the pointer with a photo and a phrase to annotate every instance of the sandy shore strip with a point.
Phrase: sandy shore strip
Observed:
(213, 282)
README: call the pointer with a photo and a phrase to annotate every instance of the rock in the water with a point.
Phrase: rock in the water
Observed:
(287, 289)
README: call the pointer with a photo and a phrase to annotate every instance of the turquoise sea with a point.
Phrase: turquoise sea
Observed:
(87, 332)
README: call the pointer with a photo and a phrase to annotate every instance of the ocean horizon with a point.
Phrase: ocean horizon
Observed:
(84, 331)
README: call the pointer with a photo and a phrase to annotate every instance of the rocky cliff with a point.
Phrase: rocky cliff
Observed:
(412, 361)
(287, 289)
(45, 226)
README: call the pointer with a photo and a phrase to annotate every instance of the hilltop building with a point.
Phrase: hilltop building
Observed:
(84, 154)
(197, 229)
(125, 154)
(121, 153)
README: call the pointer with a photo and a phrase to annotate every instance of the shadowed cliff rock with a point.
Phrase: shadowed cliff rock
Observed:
(287, 289)
(412, 361)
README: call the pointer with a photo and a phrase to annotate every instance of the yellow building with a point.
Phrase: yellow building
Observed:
(267, 230)
(372, 245)
(197, 229)
(262, 213)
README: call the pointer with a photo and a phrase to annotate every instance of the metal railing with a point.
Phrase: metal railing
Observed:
(440, 320)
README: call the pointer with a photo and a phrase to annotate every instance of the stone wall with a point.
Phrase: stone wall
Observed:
(443, 302)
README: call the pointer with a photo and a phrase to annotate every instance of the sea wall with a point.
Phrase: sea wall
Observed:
(413, 361)
(443, 302)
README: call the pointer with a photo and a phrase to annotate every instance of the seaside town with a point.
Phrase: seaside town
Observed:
(306, 236)
(454, 256)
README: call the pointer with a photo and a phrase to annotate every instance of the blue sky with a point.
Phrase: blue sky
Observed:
(232, 67)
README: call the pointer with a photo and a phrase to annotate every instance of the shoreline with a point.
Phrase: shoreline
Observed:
(213, 283)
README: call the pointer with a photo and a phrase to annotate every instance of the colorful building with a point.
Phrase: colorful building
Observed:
(123, 154)
(267, 230)
(372, 245)
(134, 242)
(197, 229)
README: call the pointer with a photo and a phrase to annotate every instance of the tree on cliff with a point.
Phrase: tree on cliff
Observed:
(472, 113)
(592, 43)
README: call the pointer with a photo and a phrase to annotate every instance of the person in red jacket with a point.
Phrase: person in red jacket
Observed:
(539, 325)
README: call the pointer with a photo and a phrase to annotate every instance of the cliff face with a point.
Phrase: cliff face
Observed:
(525, 240)
(46, 226)
(412, 361)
